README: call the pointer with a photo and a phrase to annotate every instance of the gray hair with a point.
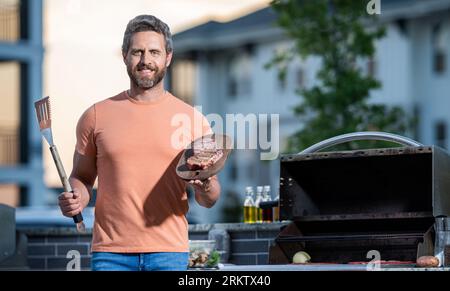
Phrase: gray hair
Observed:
(146, 23)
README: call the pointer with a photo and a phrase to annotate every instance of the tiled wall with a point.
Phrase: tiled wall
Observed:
(48, 252)
(251, 247)
(248, 244)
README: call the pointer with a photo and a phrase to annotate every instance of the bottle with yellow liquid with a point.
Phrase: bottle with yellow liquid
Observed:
(249, 206)
(259, 199)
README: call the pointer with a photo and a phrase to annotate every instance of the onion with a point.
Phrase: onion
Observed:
(301, 258)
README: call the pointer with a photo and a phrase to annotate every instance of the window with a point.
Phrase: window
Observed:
(242, 165)
(371, 67)
(9, 20)
(239, 75)
(440, 47)
(295, 76)
(282, 67)
(282, 82)
(233, 170)
(441, 134)
(9, 113)
(184, 79)
(300, 78)
(251, 170)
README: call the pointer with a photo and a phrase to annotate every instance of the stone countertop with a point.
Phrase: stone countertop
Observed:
(55, 230)
(52, 231)
(275, 226)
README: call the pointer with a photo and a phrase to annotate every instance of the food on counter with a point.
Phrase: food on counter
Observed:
(301, 258)
(205, 154)
(214, 259)
(202, 254)
(427, 262)
(198, 258)
(203, 259)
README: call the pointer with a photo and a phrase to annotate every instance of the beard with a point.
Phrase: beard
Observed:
(146, 82)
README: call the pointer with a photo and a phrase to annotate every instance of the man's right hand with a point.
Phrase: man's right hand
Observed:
(70, 203)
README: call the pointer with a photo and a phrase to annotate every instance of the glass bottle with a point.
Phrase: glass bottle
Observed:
(267, 212)
(249, 206)
(276, 209)
(259, 199)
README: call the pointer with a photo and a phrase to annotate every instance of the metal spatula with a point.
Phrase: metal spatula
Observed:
(45, 124)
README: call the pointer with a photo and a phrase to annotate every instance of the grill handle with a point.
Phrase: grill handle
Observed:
(362, 135)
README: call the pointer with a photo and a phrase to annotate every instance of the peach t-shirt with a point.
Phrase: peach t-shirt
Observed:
(141, 202)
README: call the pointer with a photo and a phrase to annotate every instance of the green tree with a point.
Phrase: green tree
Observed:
(341, 33)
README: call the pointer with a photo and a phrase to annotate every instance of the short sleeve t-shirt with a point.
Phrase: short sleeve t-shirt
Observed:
(141, 203)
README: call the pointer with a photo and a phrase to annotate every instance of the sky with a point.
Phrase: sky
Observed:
(83, 63)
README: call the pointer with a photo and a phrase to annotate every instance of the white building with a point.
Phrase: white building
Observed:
(220, 66)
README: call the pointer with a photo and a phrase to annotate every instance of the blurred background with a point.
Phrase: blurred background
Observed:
(230, 56)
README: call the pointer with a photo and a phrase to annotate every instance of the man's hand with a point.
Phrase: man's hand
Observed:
(206, 191)
(70, 203)
(201, 185)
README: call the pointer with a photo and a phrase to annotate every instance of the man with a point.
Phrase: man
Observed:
(127, 140)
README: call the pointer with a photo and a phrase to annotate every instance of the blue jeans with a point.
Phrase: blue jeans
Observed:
(168, 261)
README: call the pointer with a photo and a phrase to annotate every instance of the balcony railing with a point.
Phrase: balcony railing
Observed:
(9, 20)
(9, 146)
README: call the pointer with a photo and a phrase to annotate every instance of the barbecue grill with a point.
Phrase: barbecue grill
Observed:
(343, 204)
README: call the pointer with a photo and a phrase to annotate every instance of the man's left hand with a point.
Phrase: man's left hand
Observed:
(201, 185)
(207, 191)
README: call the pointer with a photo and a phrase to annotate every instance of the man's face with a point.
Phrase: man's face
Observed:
(146, 59)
